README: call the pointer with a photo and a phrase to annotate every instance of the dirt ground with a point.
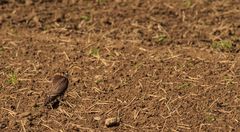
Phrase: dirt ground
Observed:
(158, 65)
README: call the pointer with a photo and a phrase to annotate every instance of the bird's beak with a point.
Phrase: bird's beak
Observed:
(65, 74)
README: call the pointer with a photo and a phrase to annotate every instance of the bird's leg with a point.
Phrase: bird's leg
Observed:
(60, 98)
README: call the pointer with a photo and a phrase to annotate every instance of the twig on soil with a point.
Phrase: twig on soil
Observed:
(24, 79)
(44, 80)
(174, 130)
(69, 104)
(172, 57)
(168, 5)
(97, 90)
(167, 105)
(22, 89)
(128, 125)
(211, 105)
(129, 103)
(60, 124)
(164, 125)
(34, 66)
(201, 125)
(236, 120)
(12, 113)
(72, 67)
(23, 124)
(18, 104)
(65, 40)
(65, 112)
(66, 55)
(135, 114)
(25, 70)
(140, 84)
(184, 126)
(80, 127)
(74, 94)
(110, 110)
(48, 127)
(143, 49)
(98, 103)
(224, 111)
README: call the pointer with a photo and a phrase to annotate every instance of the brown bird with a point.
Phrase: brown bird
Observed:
(59, 87)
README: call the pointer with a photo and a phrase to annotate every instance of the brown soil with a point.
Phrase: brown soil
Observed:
(160, 65)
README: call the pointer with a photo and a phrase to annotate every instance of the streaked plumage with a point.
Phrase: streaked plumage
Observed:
(59, 86)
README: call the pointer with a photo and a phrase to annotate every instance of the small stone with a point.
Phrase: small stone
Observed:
(97, 118)
(112, 122)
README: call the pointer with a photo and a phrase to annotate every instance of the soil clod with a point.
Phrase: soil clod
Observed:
(112, 122)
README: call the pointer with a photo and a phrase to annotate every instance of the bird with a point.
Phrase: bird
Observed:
(59, 87)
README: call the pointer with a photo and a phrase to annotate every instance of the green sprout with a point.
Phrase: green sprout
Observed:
(223, 45)
(12, 79)
(210, 118)
(228, 80)
(184, 85)
(187, 3)
(160, 38)
(98, 79)
(85, 18)
(94, 52)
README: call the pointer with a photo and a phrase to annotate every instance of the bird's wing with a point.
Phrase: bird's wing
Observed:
(56, 78)
(60, 87)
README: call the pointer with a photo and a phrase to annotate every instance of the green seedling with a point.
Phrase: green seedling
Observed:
(228, 80)
(187, 3)
(223, 45)
(98, 81)
(98, 78)
(160, 38)
(210, 118)
(12, 79)
(13, 32)
(184, 85)
(138, 65)
(94, 52)
(85, 18)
